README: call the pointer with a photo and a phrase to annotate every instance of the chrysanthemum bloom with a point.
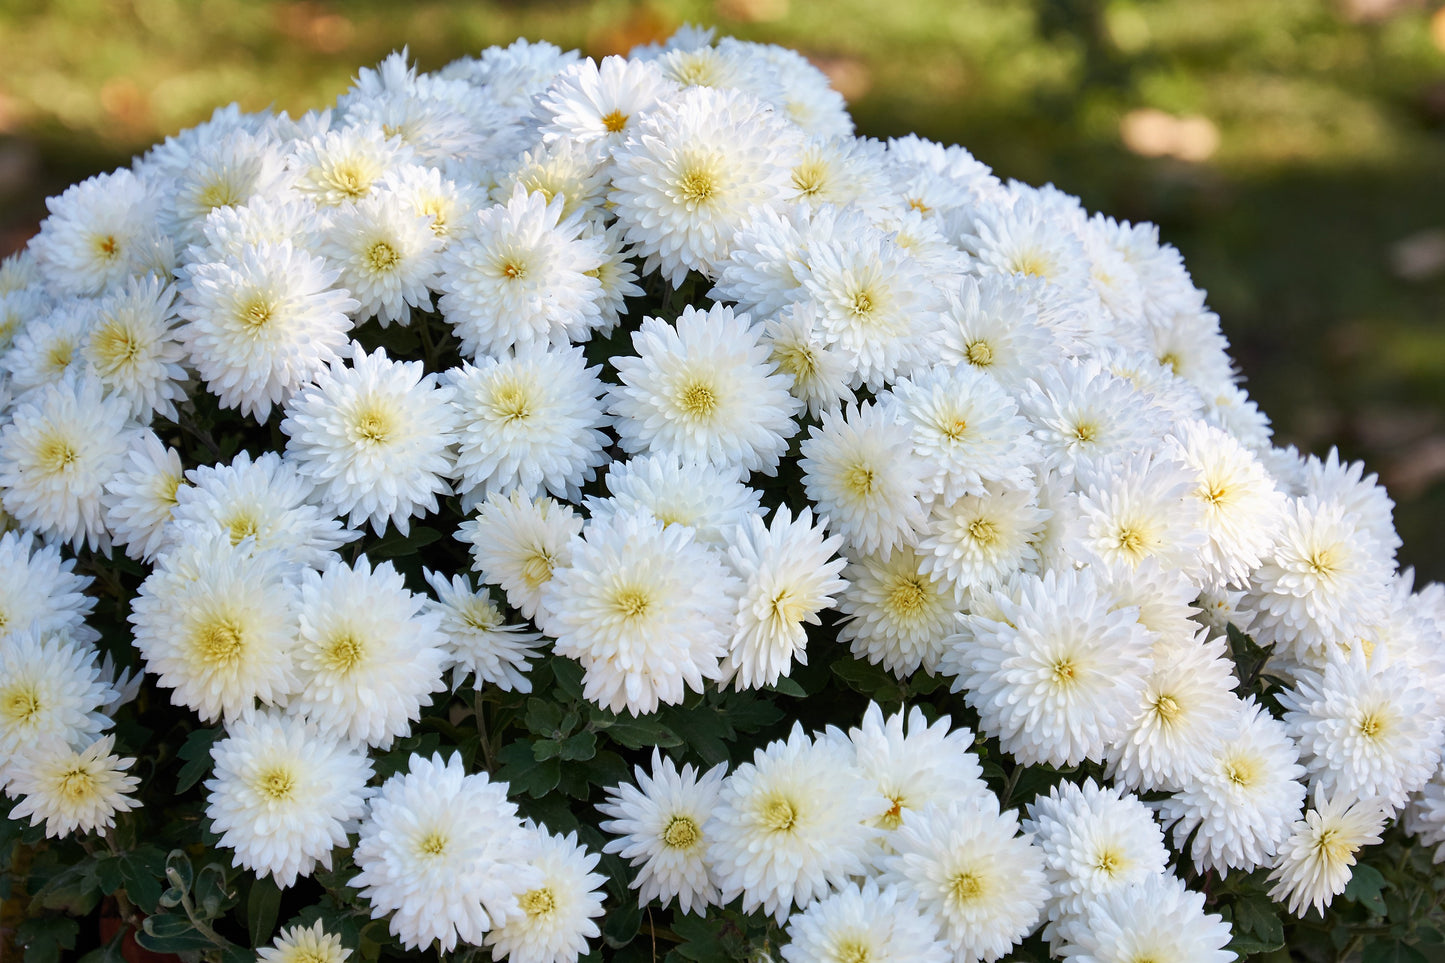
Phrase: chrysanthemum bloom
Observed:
(73, 789)
(133, 351)
(518, 542)
(530, 421)
(1362, 495)
(223, 171)
(895, 614)
(557, 913)
(677, 491)
(978, 540)
(989, 325)
(61, 445)
(376, 438)
(1057, 676)
(368, 654)
(971, 873)
(1245, 800)
(283, 796)
(1085, 416)
(48, 346)
(786, 828)
(51, 696)
(141, 496)
(840, 171)
(600, 102)
(305, 944)
(40, 592)
(476, 640)
(647, 610)
(863, 922)
(687, 176)
(768, 261)
(703, 388)
(1157, 919)
(1365, 728)
(660, 823)
(1095, 840)
(387, 255)
(98, 234)
(789, 573)
(1314, 865)
(217, 623)
(518, 275)
(444, 853)
(563, 170)
(1139, 509)
(821, 373)
(344, 166)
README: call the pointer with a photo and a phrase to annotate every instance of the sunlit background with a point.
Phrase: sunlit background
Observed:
(1294, 150)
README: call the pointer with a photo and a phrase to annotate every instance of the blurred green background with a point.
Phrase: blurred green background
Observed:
(1294, 150)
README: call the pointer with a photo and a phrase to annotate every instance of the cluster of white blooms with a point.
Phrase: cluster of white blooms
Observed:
(963, 425)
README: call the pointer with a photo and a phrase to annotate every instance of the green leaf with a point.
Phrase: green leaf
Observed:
(544, 749)
(863, 676)
(521, 770)
(1385, 950)
(178, 870)
(1257, 917)
(394, 544)
(789, 687)
(569, 677)
(579, 748)
(1366, 887)
(45, 937)
(705, 733)
(748, 714)
(213, 893)
(700, 939)
(75, 889)
(263, 903)
(107, 871)
(543, 717)
(622, 924)
(196, 751)
(640, 733)
(171, 933)
(139, 870)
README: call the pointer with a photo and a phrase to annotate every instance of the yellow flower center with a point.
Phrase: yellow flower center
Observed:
(114, 347)
(1371, 724)
(76, 784)
(55, 455)
(697, 185)
(893, 818)
(698, 399)
(682, 832)
(1031, 263)
(907, 597)
(538, 902)
(257, 313)
(797, 360)
(1064, 671)
(537, 569)
(858, 480)
(106, 247)
(1241, 771)
(1108, 863)
(614, 122)
(343, 652)
(852, 951)
(983, 531)
(1166, 708)
(511, 403)
(373, 425)
(220, 641)
(779, 815)
(276, 784)
(381, 256)
(953, 428)
(218, 193)
(631, 602)
(432, 844)
(348, 178)
(809, 178)
(22, 705)
(965, 887)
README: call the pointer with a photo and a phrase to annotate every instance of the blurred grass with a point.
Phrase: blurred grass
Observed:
(1286, 147)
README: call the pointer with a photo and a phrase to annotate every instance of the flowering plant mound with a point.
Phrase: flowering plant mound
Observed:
(549, 509)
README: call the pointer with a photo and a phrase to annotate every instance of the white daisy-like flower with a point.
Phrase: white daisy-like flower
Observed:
(1083, 415)
(703, 388)
(217, 623)
(518, 542)
(768, 260)
(283, 796)
(41, 592)
(1245, 800)
(840, 171)
(789, 574)
(387, 255)
(342, 166)
(979, 540)
(225, 171)
(679, 492)
(860, 921)
(141, 496)
(1335, 480)
(20, 309)
(660, 823)
(73, 789)
(369, 653)
(305, 944)
(557, 913)
(228, 232)
(894, 613)
(444, 853)
(375, 437)
(860, 472)
(686, 177)
(61, 446)
(99, 233)
(1056, 673)
(821, 372)
(646, 609)
(616, 274)
(517, 274)
(1137, 510)
(530, 421)
(563, 170)
(50, 345)
(1154, 919)
(428, 194)
(1365, 728)
(786, 829)
(477, 640)
(262, 323)
(517, 73)
(972, 873)
(600, 103)
(1314, 864)
(52, 696)
(933, 178)
(133, 351)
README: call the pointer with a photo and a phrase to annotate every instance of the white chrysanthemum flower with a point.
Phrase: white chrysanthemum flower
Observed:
(1243, 510)
(262, 323)
(679, 492)
(768, 260)
(1191, 345)
(141, 496)
(979, 540)
(786, 827)
(895, 614)
(518, 542)
(368, 654)
(99, 233)
(862, 922)
(444, 853)
(305, 944)
(686, 177)
(972, 873)
(860, 472)
(40, 592)
(428, 194)
(600, 103)
(703, 388)
(1156, 919)
(216, 622)
(660, 823)
(49, 346)
(569, 172)
(1056, 673)
(225, 171)
(616, 274)
(530, 421)
(517, 73)
(517, 274)
(1365, 728)
(73, 789)
(52, 696)
(840, 171)
(1331, 479)
(1245, 800)
(342, 166)
(1095, 841)
(61, 446)
(1139, 509)
(821, 372)
(645, 608)
(283, 796)
(476, 641)
(1314, 864)
(375, 437)
(387, 255)
(1083, 415)
(933, 178)
(20, 310)
(556, 917)
(228, 232)
(133, 352)
(789, 574)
